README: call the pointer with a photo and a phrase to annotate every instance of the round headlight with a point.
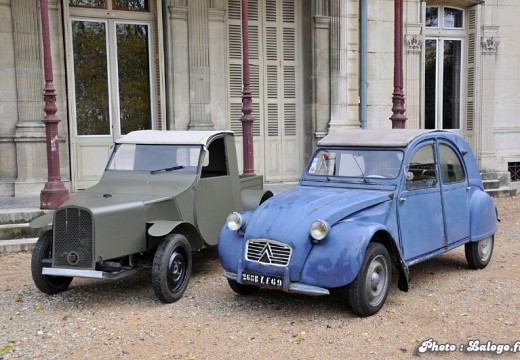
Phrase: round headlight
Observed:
(234, 221)
(319, 230)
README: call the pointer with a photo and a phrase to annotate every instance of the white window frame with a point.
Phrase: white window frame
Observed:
(441, 34)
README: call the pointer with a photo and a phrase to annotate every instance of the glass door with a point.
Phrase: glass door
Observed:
(111, 57)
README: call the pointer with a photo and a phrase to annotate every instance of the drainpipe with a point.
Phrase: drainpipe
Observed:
(54, 193)
(398, 109)
(247, 108)
(363, 76)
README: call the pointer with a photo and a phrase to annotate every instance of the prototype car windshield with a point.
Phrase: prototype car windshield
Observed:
(356, 163)
(155, 158)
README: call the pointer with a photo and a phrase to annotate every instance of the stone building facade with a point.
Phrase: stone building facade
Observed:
(121, 65)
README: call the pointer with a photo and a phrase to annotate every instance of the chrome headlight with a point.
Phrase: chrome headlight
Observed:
(319, 230)
(234, 221)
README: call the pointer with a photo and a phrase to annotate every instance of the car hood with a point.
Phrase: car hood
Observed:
(287, 216)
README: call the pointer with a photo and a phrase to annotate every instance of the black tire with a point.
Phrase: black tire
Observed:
(242, 289)
(478, 254)
(46, 283)
(368, 292)
(171, 270)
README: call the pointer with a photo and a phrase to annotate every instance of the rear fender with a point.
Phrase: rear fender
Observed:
(483, 216)
(251, 199)
(158, 229)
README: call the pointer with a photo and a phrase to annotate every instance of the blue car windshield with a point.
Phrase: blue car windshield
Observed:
(356, 163)
(155, 158)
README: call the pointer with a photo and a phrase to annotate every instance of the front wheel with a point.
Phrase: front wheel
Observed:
(171, 270)
(368, 292)
(478, 254)
(46, 283)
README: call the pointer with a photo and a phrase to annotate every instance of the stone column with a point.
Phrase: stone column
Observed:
(413, 78)
(486, 154)
(321, 68)
(338, 64)
(29, 135)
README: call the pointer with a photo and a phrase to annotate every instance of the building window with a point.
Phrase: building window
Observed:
(443, 68)
(136, 5)
(514, 170)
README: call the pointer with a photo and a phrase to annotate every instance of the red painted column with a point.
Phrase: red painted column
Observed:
(54, 193)
(247, 108)
(398, 107)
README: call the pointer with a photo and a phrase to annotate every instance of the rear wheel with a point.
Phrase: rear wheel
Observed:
(46, 283)
(478, 254)
(368, 292)
(242, 289)
(171, 270)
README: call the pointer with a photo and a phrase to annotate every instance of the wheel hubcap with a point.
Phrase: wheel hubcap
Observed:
(484, 248)
(377, 280)
(177, 270)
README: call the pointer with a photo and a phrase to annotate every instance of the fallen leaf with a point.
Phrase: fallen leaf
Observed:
(19, 299)
(296, 341)
(364, 334)
(498, 319)
(464, 314)
(191, 358)
(6, 349)
(415, 341)
(131, 320)
(39, 307)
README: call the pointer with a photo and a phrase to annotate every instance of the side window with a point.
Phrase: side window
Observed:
(217, 165)
(452, 170)
(422, 173)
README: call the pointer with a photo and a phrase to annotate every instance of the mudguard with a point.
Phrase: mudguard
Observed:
(251, 199)
(337, 261)
(42, 221)
(161, 228)
(483, 216)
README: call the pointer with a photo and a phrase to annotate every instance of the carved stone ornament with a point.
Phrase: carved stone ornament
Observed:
(414, 43)
(490, 45)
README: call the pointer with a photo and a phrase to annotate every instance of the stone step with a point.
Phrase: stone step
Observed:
(491, 184)
(19, 231)
(17, 245)
(502, 192)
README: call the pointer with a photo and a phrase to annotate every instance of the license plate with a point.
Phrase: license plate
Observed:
(262, 280)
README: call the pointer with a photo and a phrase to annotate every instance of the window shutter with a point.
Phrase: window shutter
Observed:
(471, 66)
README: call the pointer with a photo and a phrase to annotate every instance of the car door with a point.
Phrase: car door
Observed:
(455, 193)
(419, 205)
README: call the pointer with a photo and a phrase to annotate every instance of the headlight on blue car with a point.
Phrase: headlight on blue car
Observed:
(319, 231)
(234, 221)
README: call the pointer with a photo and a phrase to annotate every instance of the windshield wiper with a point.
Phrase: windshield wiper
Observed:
(359, 167)
(167, 169)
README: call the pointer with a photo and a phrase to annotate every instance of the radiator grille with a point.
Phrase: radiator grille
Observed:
(268, 252)
(73, 240)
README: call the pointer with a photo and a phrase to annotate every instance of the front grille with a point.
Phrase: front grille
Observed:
(73, 240)
(268, 252)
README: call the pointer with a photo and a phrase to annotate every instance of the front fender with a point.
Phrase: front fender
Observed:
(483, 216)
(42, 221)
(337, 261)
(161, 228)
(231, 245)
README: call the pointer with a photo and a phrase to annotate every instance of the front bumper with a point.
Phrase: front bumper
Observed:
(290, 287)
(94, 274)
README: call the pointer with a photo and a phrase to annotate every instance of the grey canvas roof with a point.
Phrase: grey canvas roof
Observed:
(171, 137)
(372, 137)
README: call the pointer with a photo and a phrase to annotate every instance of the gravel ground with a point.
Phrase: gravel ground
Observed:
(104, 319)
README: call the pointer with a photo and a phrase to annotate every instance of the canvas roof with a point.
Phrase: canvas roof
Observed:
(372, 137)
(171, 137)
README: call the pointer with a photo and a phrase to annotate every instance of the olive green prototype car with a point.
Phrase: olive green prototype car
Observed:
(162, 196)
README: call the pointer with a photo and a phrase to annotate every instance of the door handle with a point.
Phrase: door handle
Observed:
(402, 199)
